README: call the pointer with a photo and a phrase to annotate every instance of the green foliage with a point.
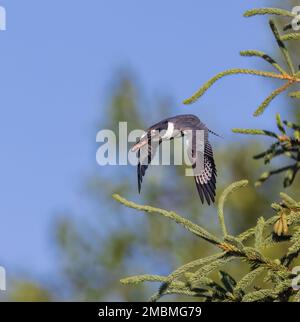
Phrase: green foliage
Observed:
(270, 98)
(270, 11)
(222, 200)
(287, 145)
(290, 77)
(268, 277)
(259, 230)
(282, 47)
(295, 94)
(254, 132)
(108, 243)
(195, 229)
(235, 71)
(193, 279)
(264, 56)
(291, 36)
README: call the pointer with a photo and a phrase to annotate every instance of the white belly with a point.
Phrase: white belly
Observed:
(169, 131)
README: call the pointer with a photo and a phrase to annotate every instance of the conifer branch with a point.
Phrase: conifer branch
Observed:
(268, 11)
(192, 279)
(235, 71)
(295, 94)
(259, 229)
(291, 125)
(291, 77)
(280, 124)
(291, 36)
(282, 46)
(255, 132)
(267, 58)
(134, 280)
(289, 201)
(266, 175)
(234, 186)
(195, 229)
(286, 145)
(270, 98)
(246, 281)
(199, 262)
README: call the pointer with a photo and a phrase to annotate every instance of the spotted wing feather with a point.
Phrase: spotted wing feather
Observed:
(203, 165)
(206, 180)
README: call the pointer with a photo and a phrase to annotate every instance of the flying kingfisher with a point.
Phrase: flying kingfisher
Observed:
(200, 155)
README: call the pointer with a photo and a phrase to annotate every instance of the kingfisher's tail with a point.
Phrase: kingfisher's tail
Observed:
(212, 132)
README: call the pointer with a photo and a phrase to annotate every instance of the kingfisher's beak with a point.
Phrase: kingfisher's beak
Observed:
(144, 141)
(138, 145)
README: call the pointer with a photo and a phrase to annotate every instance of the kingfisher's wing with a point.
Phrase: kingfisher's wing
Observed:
(203, 164)
(145, 155)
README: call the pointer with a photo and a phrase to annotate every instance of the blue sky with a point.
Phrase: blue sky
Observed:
(57, 61)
